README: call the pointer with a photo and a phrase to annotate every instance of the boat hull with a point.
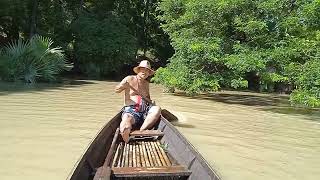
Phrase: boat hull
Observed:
(176, 145)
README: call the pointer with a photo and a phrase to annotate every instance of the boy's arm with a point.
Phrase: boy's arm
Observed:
(122, 85)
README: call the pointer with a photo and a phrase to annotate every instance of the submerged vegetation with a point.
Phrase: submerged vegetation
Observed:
(200, 46)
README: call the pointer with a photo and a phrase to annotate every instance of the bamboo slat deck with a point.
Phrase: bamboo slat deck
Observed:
(140, 154)
(144, 158)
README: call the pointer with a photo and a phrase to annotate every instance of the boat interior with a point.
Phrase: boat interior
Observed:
(161, 153)
(144, 157)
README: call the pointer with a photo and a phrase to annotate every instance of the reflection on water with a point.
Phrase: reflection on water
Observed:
(45, 129)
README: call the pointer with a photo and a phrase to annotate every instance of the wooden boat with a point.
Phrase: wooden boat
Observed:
(162, 153)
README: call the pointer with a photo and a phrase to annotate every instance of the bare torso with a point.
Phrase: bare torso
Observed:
(142, 87)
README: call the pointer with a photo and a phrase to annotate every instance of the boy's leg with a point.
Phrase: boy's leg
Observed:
(152, 117)
(126, 126)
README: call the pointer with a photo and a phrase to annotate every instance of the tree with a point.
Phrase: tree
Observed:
(223, 43)
(102, 45)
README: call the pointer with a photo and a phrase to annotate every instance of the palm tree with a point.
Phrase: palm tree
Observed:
(32, 60)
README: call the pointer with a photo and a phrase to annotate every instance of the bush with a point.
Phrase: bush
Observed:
(31, 61)
(305, 98)
(308, 85)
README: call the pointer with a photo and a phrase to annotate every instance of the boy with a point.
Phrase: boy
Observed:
(137, 101)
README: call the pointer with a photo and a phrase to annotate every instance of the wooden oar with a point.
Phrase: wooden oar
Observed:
(138, 93)
(168, 115)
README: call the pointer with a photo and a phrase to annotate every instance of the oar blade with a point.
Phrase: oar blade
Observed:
(168, 115)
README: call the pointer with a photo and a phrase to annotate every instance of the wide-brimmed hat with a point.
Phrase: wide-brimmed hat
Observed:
(143, 64)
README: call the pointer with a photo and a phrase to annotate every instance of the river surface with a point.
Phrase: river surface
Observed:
(45, 129)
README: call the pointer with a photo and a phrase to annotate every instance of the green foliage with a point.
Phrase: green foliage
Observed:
(222, 41)
(305, 98)
(141, 18)
(165, 77)
(181, 79)
(239, 83)
(97, 36)
(102, 45)
(54, 21)
(308, 85)
(31, 61)
(310, 76)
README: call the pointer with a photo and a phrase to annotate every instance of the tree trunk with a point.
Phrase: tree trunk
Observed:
(13, 32)
(81, 3)
(33, 19)
(145, 26)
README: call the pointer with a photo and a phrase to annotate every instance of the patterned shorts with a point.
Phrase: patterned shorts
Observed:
(137, 116)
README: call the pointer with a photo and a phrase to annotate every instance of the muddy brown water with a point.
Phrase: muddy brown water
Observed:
(44, 130)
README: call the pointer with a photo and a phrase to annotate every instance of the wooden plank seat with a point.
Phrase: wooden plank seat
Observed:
(145, 158)
(147, 133)
(150, 171)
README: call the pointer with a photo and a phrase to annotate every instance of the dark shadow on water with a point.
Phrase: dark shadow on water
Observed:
(243, 98)
(312, 114)
(10, 88)
(276, 103)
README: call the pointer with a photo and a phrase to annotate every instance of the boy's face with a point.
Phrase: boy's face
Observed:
(143, 73)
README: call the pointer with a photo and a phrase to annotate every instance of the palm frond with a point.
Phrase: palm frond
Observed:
(32, 60)
(16, 49)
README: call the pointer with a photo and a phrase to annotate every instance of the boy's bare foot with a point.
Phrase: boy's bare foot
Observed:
(126, 135)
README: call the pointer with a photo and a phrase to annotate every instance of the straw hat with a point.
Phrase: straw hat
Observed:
(143, 64)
